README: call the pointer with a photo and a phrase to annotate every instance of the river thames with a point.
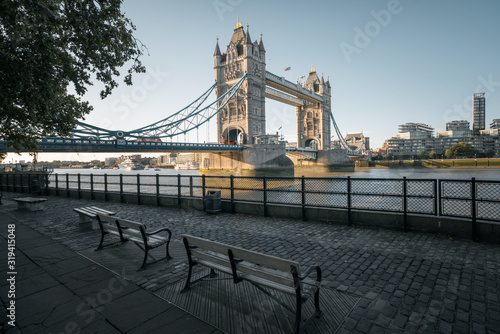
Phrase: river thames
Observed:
(383, 173)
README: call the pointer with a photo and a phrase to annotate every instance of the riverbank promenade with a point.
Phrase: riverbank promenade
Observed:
(374, 280)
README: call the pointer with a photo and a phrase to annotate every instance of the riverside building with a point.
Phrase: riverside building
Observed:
(417, 137)
(478, 112)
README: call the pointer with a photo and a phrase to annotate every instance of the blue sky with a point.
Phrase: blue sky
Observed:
(389, 61)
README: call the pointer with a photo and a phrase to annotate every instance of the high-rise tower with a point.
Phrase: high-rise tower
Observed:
(245, 115)
(478, 112)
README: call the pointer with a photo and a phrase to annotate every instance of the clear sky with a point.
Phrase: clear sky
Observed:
(389, 61)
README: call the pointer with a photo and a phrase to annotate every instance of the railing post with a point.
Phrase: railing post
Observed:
(231, 178)
(179, 190)
(139, 189)
(105, 187)
(475, 237)
(67, 185)
(203, 192)
(190, 186)
(303, 200)
(57, 184)
(264, 189)
(79, 187)
(435, 186)
(29, 183)
(440, 199)
(46, 184)
(121, 188)
(349, 200)
(157, 181)
(92, 186)
(405, 205)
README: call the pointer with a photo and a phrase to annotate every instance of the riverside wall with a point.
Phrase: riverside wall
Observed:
(452, 227)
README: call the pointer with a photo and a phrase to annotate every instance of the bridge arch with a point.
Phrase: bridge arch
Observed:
(234, 135)
(312, 143)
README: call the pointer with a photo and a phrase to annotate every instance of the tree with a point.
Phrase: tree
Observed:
(461, 150)
(432, 154)
(422, 154)
(49, 49)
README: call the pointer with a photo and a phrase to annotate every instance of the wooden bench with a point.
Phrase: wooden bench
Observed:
(30, 203)
(259, 269)
(128, 230)
(89, 215)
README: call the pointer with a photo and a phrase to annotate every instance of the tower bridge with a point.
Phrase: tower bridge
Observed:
(241, 87)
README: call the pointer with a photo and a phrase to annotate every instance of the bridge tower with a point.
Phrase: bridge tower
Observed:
(313, 119)
(245, 115)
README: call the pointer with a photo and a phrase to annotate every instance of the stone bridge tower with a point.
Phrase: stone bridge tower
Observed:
(313, 119)
(245, 115)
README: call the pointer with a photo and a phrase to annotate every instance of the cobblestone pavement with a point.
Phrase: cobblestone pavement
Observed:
(408, 282)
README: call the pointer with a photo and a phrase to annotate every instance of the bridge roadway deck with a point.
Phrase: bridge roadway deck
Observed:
(390, 282)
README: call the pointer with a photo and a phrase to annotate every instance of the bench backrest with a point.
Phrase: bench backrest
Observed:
(268, 261)
(128, 228)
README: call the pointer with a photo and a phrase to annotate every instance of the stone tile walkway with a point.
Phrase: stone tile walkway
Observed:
(406, 282)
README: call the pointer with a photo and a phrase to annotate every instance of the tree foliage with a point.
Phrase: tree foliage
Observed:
(50, 52)
(460, 150)
(422, 154)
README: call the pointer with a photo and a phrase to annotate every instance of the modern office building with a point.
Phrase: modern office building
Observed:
(458, 125)
(410, 143)
(416, 137)
(495, 124)
(415, 128)
(411, 139)
(478, 112)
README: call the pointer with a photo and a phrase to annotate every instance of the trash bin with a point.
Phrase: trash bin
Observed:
(213, 201)
(35, 187)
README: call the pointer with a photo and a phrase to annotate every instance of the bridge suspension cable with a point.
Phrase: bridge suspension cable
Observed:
(342, 141)
(189, 118)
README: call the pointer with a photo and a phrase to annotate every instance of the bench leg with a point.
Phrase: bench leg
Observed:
(100, 243)
(187, 286)
(298, 314)
(168, 257)
(145, 259)
(316, 303)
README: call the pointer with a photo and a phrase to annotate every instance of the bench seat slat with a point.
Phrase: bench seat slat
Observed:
(92, 211)
(279, 277)
(290, 290)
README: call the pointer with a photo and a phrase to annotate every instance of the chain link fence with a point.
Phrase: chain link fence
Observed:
(471, 199)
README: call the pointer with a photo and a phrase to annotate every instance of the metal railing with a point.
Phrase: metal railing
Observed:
(470, 199)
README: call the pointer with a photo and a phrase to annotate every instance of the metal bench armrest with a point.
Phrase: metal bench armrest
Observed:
(310, 270)
(160, 230)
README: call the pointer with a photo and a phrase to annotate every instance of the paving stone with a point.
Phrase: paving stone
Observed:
(400, 321)
(427, 277)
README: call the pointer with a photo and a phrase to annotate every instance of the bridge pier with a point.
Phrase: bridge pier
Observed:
(253, 158)
(272, 159)
(334, 160)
